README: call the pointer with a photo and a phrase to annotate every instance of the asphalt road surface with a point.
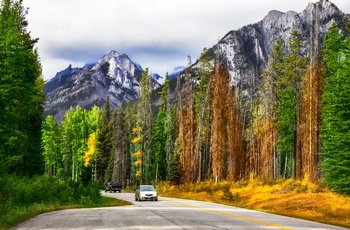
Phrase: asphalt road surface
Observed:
(167, 213)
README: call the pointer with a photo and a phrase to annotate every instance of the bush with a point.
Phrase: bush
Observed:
(23, 197)
(228, 196)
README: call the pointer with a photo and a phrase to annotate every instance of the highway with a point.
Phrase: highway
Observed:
(167, 213)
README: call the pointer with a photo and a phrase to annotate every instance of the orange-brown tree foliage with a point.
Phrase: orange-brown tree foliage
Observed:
(227, 146)
(186, 124)
(308, 139)
(263, 159)
(236, 157)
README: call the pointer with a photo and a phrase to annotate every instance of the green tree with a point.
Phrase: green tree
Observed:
(267, 164)
(145, 121)
(160, 136)
(130, 118)
(170, 128)
(120, 145)
(202, 113)
(21, 94)
(174, 172)
(335, 125)
(288, 97)
(74, 134)
(104, 146)
(52, 146)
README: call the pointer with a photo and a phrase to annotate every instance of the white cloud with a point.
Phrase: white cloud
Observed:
(158, 34)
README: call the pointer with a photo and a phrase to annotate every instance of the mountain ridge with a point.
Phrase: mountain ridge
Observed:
(115, 76)
(245, 51)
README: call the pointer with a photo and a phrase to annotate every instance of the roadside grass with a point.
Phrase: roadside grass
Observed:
(24, 198)
(295, 198)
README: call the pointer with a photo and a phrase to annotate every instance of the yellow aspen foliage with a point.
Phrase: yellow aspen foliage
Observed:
(137, 130)
(138, 163)
(138, 174)
(138, 154)
(136, 140)
(91, 144)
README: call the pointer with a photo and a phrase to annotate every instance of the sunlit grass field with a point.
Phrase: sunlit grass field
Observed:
(295, 198)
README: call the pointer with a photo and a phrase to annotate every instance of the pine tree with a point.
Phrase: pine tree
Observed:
(174, 173)
(120, 147)
(288, 101)
(170, 128)
(160, 135)
(104, 146)
(335, 112)
(21, 94)
(268, 164)
(145, 121)
(202, 113)
(158, 146)
(130, 120)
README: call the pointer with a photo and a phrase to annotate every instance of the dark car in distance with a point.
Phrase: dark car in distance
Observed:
(113, 187)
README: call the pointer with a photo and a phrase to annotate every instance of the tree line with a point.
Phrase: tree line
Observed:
(198, 132)
(295, 124)
(21, 94)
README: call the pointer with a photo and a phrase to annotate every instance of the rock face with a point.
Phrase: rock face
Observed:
(115, 75)
(246, 50)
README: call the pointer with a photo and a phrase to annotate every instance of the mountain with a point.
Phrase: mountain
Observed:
(176, 72)
(246, 51)
(115, 75)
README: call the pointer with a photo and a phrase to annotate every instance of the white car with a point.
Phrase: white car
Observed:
(146, 192)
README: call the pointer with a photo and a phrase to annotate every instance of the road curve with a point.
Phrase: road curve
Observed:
(167, 213)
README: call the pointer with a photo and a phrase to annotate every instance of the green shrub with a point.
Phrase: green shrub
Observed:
(23, 197)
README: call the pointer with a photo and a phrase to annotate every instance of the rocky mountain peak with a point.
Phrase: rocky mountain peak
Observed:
(114, 75)
(324, 4)
(246, 51)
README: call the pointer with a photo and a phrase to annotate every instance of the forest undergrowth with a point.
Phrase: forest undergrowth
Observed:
(22, 198)
(295, 198)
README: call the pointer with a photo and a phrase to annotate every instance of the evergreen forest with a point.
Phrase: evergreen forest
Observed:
(196, 128)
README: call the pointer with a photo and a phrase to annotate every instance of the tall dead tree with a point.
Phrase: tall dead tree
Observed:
(236, 154)
(186, 125)
(308, 140)
(219, 90)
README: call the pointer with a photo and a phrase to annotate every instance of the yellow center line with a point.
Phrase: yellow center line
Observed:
(233, 215)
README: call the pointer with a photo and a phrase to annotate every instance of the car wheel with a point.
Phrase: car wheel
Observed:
(120, 191)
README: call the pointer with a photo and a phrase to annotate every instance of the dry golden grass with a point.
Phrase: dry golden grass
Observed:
(296, 198)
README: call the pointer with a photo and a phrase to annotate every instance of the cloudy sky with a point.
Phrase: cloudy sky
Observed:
(158, 34)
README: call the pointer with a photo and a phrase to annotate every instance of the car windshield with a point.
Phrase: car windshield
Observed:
(146, 188)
